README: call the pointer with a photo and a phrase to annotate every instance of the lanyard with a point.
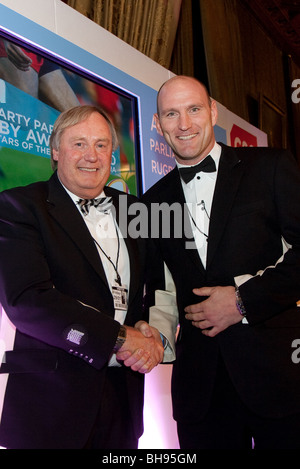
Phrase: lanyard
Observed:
(115, 266)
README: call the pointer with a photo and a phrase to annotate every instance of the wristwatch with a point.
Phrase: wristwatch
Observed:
(239, 302)
(120, 339)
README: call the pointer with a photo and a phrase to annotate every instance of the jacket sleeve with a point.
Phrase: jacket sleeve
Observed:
(33, 302)
(164, 316)
(276, 288)
(160, 299)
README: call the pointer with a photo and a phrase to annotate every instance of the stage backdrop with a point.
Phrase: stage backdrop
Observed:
(91, 65)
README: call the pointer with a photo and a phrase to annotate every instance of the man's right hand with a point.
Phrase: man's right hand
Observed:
(142, 351)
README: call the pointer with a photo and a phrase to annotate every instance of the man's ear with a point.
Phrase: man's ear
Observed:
(157, 124)
(55, 155)
(214, 112)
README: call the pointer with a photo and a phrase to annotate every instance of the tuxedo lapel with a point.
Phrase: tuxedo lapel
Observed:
(172, 195)
(135, 268)
(230, 171)
(62, 208)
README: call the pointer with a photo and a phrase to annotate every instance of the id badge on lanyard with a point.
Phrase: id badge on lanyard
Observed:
(120, 297)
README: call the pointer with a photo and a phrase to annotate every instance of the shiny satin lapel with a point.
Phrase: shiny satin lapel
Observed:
(62, 208)
(174, 194)
(229, 175)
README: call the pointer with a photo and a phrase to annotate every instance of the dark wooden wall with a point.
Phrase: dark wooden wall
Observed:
(248, 73)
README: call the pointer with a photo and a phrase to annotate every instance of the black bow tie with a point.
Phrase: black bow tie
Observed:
(103, 204)
(207, 165)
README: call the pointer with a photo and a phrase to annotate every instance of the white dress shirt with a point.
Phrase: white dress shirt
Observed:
(198, 195)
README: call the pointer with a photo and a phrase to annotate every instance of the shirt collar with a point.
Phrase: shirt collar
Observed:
(75, 197)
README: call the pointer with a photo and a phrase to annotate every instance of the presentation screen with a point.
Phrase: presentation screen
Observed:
(35, 87)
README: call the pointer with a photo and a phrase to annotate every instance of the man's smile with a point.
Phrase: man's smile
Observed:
(88, 169)
(187, 137)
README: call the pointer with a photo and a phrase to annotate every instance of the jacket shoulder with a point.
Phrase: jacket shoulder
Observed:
(247, 152)
(259, 157)
(33, 190)
(161, 185)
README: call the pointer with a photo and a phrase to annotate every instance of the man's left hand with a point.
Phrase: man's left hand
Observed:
(217, 312)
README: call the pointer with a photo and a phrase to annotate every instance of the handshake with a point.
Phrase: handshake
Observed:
(143, 348)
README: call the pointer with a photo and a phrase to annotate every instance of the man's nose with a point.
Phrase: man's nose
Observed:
(91, 153)
(184, 121)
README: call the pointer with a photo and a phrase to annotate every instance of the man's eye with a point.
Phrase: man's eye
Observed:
(170, 114)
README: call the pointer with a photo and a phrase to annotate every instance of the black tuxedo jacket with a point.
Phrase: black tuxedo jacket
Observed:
(54, 291)
(256, 203)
